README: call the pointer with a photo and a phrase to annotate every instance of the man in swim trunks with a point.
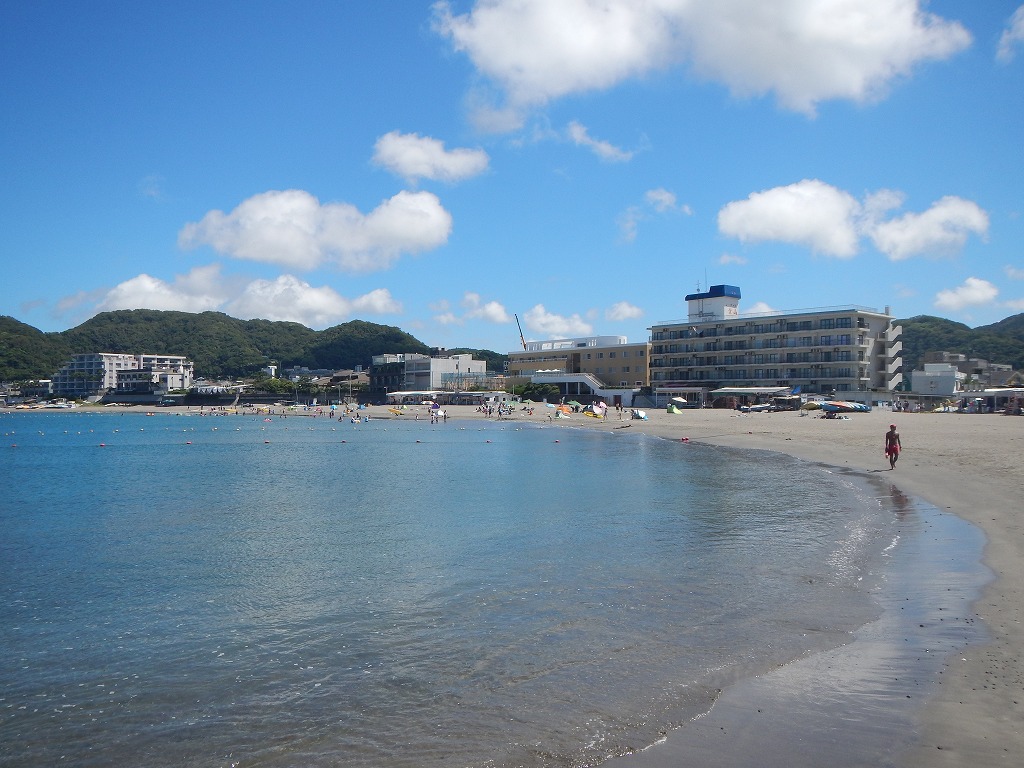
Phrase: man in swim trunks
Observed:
(892, 445)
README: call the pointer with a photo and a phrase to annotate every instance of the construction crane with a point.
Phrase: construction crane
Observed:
(522, 340)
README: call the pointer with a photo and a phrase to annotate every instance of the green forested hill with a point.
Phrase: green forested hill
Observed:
(1001, 342)
(28, 353)
(219, 345)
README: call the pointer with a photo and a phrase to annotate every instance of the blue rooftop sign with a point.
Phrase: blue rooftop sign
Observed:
(715, 292)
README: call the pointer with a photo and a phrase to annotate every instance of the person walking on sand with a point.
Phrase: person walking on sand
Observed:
(892, 445)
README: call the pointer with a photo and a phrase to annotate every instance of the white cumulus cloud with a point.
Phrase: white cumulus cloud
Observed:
(478, 309)
(972, 293)
(549, 325)
(803, 51)
(420, 157)
(200, 290)
(832, 222)
(809, 212)
(1013, 272)
(623, 310)
(474, 308)
(941, 230)
(283, 298)
(761, 308)
(603, 149)
(1012, 36)
(294, 229)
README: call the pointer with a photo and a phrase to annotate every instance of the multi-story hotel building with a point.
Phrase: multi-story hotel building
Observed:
(850, 352)
(94, 373)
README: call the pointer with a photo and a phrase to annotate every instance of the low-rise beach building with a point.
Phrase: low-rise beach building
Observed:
(423, 373)
(850, 352)
(612, 360)
(592, 368)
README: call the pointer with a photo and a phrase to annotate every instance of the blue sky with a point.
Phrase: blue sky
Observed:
(442, 166)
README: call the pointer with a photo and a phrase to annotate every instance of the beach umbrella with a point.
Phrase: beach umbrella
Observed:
(574, 402)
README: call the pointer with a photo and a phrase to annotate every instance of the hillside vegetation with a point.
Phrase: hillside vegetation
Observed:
(219, 345)
(1001, 342)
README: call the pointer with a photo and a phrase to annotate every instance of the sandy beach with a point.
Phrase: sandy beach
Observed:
(968, 465)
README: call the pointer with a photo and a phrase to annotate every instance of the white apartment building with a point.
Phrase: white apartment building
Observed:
(425, 373)
(938, 380)
(849, 352)
(94, 373)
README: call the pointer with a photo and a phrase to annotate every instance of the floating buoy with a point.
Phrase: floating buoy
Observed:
(188, 442)
(103, 445)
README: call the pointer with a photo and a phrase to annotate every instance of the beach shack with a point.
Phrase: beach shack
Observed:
(738, 397)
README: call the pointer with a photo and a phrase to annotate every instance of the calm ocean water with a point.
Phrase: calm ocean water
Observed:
(229, 591)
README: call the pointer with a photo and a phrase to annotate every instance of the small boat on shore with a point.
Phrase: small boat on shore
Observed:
(844, 406)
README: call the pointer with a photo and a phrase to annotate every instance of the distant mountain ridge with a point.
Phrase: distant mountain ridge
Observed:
(224, 346)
